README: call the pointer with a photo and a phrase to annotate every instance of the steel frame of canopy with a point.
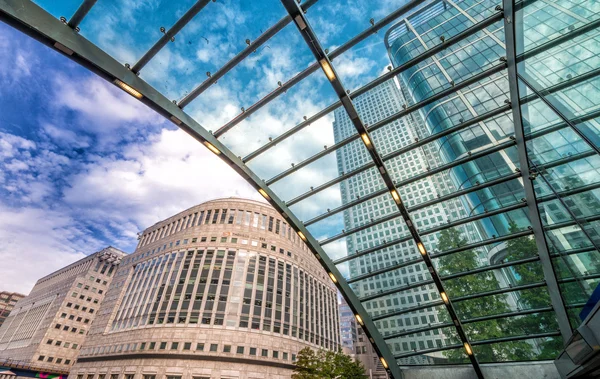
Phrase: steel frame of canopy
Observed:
(63, 36)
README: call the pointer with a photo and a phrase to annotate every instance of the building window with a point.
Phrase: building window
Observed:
(240, 350)
(187, 346)
(174, 345)
(49, 342)
(152, 346)
(200, 346)
(114, 376)
(227, 348)
(265, 353)
(252, 351)
(275, 354)
(173, 376)
(149, 376)
(58, 360)
(213, 347)
(41, 357)
(67, 361)
(129, 376)
(285, 356)
(163, 346)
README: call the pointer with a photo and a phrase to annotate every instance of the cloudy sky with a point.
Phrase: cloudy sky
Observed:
(84, 165)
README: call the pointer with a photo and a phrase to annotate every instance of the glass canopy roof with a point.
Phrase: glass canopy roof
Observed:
(439, 157)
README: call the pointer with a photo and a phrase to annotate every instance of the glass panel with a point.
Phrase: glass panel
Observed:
(57, 9)
(525, 350)
(542, 21)
(418, 344)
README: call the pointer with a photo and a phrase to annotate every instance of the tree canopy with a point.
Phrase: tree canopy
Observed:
(326, 364)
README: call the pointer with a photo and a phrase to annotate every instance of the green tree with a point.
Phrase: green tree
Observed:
(473, 284)
(521, 248)
(326, 364)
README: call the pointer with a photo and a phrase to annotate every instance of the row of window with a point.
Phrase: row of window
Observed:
(200, 287)
(82, 297)
(58, 361)
(67, 328)
(132, 376)
(93, 289)
(66, 345)
(242, 241)
(189, 346)
(75, 318)
(226, 216)
(77, 306)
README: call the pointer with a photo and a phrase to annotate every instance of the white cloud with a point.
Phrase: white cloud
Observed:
(153, 181)
(35, 242)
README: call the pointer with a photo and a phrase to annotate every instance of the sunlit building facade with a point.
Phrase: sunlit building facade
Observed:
(47, 328)
(7, 303)
(223, 289)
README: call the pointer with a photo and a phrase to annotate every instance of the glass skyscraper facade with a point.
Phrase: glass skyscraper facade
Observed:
(563, 165)
(394, 289)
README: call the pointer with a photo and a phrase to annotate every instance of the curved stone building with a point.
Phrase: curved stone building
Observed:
(225, 289)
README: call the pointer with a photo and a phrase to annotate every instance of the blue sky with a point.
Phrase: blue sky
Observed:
(84, 165)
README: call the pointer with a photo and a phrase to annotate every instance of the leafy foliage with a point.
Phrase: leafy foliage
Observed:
(489, 305)
(326, 364)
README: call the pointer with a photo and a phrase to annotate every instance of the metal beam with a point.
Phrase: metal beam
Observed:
(478, 270)
(254, 45)
(590, 138)
(315, 66)
(468, 321)
(413, 261)
(534, 216)
(416, 207)
(329, 70)
(478, 343)
(169, 35)
(80, 14)
(383, 78)
(440, 95)
(436, 170)
(435, 229)
(569, 36)
(39, 24)
(458, 299)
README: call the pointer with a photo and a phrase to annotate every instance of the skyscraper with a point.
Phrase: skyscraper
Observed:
(223, 289)
(48, 327)
(383, 293)
(7, 303)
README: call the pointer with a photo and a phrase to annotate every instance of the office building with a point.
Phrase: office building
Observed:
(225, 289)
(47, 328)
(383, 292)
(356, 344)
(7, 303)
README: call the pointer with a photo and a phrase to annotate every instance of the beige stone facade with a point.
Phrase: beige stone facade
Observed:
(48, 327)
(8, 300)
(225, 289)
